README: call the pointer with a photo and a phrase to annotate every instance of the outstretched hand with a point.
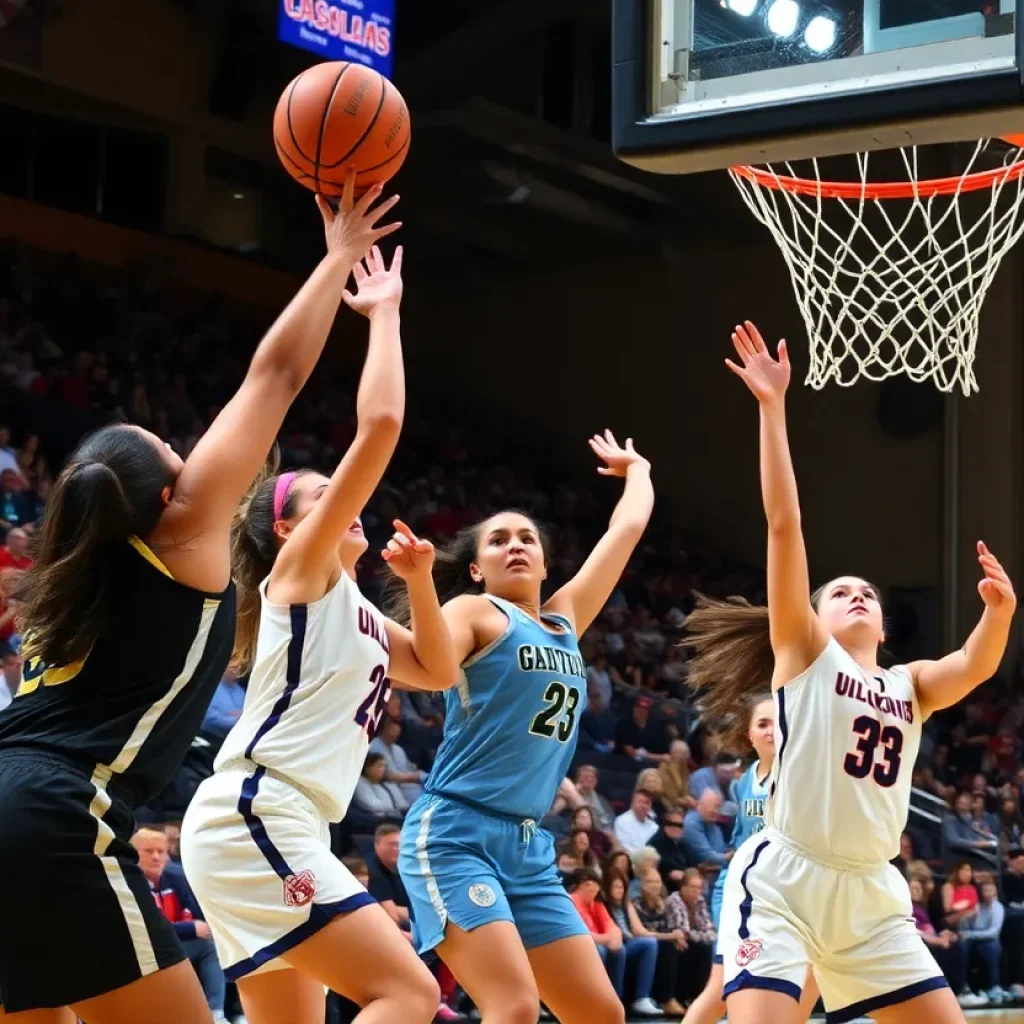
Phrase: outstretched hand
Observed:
(766, 376)
(377, 284)
(617, 459)
(996, 589)
(353, 228)
(407, 555)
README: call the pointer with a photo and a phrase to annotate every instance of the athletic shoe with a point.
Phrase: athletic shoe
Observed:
(647, 1007)
(446, 1013)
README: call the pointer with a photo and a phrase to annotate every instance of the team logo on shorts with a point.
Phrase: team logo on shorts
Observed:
(749, 951)
(482, 895)
(299, 889)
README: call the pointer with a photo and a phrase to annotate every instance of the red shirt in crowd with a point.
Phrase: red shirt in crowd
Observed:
(595, 915)
(9, 561)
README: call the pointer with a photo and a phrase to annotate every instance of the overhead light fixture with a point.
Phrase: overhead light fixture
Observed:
(743, 7)
(820, 34)
(783, 16)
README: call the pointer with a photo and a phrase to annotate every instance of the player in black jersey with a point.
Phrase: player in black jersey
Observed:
(129, 615)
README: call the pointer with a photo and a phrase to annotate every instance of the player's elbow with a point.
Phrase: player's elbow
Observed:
(382, 425)
(784, 524)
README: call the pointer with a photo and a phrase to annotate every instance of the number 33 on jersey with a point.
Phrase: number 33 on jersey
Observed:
(513, 718)
(861, 734)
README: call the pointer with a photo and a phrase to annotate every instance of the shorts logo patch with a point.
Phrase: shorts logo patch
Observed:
(299, 889)
(482, 895)
(749, 951)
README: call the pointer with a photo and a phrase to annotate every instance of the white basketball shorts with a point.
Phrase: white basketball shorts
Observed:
(257, 854)
(783, 912)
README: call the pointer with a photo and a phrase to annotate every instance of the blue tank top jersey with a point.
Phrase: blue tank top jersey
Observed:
(749, 794)
(512, 720)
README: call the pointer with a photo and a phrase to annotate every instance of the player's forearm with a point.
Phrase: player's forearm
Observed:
(778, 480)
(431, 639)
(985, 647)
(634, 508)
(381, 392)
(293, 344)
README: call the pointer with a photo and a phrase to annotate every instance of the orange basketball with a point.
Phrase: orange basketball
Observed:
(339, 115)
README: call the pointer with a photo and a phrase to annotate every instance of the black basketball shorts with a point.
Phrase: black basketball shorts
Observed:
(79, 917)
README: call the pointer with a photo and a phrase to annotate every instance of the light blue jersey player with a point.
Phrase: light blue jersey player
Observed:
(749, 792)
(480, 873)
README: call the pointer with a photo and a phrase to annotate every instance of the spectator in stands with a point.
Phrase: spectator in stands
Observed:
(618, 862)
(8, 456)
(985, 823)
(179, 907)
(906, 855)
(14, 553)
(598, 726)
(650, 780)
(360, 872)
(8, 617)
(399, 768)
(944, 945)
(422, 716)
(578, 844)
(633, 828)
(385, 882)
(1011, 823)
(623, 913)
(226, 706)
(600, 842)
(668, 841)
(961, 840)
(638, 737)
(1013, 929)
(15, 507)
(980, 934)
(700, 933)
(675, 777)
(586, 786)
(667, 927)
(959, 896)
(718, 776)
(703, 838)
(376, 800)
(642, 862)
(620, 951)
(10, 680)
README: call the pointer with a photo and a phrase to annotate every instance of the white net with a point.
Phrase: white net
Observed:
(891, 279)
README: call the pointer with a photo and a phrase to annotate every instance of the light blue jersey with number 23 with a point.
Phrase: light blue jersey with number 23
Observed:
(512, 720)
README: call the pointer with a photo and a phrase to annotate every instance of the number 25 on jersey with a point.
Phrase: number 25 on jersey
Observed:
(558, 718)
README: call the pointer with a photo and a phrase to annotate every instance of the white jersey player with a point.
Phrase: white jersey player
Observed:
(815, 888)
(288, 918)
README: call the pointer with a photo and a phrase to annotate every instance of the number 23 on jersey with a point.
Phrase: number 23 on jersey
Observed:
(558, 716)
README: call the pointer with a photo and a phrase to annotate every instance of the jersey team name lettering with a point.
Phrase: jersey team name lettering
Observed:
(550, 659)
(369, 626)
(854, 689)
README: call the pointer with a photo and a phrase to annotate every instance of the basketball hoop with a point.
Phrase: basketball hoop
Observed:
(890, 277)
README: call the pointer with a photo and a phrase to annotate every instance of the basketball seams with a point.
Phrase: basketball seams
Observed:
(288, 116)
(323, 122)
(369, 128)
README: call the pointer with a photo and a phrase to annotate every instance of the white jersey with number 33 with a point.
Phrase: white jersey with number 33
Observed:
(846, 744)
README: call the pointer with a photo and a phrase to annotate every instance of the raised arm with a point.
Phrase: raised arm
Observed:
(797, 635)
(423, 656)
(305, 565)
(583, 597)
(943, 683)
(193, 532)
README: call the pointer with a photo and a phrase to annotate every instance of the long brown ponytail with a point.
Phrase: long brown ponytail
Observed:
(732, 659)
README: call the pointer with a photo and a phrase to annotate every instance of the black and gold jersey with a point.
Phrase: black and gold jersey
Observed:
(129, 710)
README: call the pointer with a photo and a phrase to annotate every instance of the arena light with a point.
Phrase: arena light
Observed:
(783, 16)
(820, 34)
(743, 7)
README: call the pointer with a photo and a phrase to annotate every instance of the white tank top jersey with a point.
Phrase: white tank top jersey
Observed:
(847, 743)
(316, 694)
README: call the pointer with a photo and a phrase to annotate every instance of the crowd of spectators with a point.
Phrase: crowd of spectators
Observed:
(643, 826)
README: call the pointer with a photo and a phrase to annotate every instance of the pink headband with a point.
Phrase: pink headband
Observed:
(284, 482)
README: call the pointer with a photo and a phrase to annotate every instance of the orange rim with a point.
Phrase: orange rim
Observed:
(881, 190)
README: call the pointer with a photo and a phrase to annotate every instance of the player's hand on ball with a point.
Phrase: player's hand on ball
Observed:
(617, 460)
(354, 227)
(407, 556)
(377, 285)
(995, 589)
(766, 376)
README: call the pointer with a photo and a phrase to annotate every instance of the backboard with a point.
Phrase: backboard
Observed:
(703, 84)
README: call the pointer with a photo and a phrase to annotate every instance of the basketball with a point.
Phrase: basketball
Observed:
(339, 115)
